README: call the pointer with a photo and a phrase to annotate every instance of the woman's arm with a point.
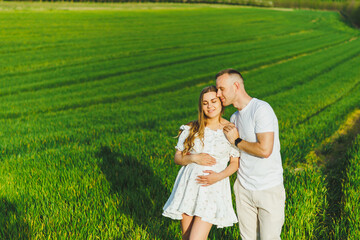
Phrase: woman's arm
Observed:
(214, 177)
(201, 159)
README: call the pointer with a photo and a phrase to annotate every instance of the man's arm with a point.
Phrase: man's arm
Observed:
(261, 148)
(201, 159)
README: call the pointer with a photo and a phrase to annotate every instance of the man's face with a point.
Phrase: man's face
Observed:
(226, 91)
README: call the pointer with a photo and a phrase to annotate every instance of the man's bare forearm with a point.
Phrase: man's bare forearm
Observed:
(262, 148)
(254, 149)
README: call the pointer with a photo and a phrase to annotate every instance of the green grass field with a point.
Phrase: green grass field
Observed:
(91, 96)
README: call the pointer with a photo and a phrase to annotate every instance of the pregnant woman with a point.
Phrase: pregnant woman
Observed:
(200, 200)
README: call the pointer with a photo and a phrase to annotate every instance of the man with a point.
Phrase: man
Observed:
(259, 189)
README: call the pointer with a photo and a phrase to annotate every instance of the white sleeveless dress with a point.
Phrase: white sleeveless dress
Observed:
(212, 203)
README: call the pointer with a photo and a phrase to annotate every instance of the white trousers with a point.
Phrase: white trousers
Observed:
(261, 213)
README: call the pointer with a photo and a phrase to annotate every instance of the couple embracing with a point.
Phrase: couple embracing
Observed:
(210, 149)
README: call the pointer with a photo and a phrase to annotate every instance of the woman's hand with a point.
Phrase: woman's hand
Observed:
(214, 177)
(204, 159)
(208, 180)
(201, 159)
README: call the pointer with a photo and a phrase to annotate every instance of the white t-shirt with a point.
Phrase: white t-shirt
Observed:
(257, 173)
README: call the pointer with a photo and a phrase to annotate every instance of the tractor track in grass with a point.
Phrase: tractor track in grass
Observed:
(166, 64)
(122, 55)
(202, 80)
(310, 78)
(302, 54)
(331, 157)
(150, 91)
(113, 99)
(123, 72)
(328, 105)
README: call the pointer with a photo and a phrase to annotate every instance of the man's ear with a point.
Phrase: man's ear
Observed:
(237, 85)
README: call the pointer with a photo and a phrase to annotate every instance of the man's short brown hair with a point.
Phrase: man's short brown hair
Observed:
(228, 71)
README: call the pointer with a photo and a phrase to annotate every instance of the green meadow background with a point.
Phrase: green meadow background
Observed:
(349, 9)
(92, 95)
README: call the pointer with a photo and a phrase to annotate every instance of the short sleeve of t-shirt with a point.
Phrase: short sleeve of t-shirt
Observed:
(183, 135)
(232, 118)
(264, 119)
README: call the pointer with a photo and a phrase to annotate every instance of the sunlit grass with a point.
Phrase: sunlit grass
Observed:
(91, 99)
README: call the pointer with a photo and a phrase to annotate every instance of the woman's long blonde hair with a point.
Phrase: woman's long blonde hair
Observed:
(197, 127)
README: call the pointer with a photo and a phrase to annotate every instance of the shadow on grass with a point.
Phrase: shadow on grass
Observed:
(12, 224)
(335, 168)
(143, 193)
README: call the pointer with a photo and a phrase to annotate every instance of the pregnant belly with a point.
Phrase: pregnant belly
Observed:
(199, 169)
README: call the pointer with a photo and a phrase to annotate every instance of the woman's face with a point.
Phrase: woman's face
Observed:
(211, 105)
